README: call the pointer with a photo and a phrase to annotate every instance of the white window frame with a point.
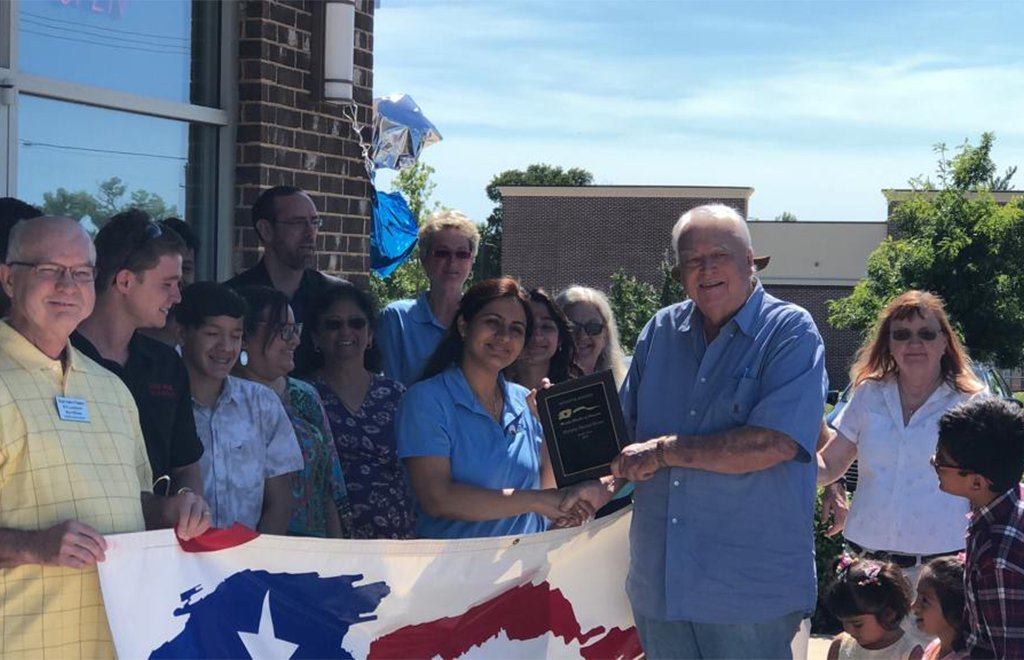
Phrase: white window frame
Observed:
(7, 50)
(224, 117)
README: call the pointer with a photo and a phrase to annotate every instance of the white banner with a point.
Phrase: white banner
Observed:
(559, 594)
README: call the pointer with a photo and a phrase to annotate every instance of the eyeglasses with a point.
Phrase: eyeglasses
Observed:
(50, 272)
(592, 328)
(939, 465)
(313, 223)
(286, 331)
(353, 323)
(904, 334)
(445, 255)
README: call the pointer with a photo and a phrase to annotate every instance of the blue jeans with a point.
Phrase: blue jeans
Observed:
(686, 639)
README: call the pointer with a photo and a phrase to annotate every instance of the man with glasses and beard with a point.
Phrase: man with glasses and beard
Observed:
(287, 223)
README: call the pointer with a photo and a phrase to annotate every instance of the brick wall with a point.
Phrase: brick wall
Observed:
(840, 345)
(285, 137)
(554, 242)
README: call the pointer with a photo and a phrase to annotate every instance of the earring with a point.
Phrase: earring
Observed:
(243, 358)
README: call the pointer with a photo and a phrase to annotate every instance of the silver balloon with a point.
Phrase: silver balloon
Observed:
(400, 132)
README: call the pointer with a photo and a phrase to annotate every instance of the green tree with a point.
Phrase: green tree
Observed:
(488, 261)
(633, 303)
(953, 239)
(107, 201)
(416, 185)
(71, 204)
(785, 216)
(671, 291)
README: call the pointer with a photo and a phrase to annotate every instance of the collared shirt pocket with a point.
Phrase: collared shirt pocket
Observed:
(744, 397)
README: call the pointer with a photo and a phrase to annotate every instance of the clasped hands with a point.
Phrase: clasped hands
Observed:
(575, 505)
(572, 505)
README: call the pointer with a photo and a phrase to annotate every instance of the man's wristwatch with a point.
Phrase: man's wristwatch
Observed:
(659, 453)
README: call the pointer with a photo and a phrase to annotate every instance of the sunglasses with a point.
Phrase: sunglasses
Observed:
(353, 323)
(903, 334)
(445, 255)
(286, 331)
(592, 328)
(939, 465)
(152, 232)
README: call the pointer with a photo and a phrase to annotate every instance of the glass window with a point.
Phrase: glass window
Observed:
(165, 49)
(90, 163)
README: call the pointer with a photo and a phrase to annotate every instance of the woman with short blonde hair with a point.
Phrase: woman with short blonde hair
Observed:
(447, 219)
(594, 329)
(411, 329)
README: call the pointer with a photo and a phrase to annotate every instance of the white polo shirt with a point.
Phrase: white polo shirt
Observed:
(898, 505)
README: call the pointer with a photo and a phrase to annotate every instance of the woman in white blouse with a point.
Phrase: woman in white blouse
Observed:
(911, 371)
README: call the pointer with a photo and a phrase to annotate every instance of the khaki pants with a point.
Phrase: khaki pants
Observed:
(801, 640)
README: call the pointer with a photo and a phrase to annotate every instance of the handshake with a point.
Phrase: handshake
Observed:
(574, 505)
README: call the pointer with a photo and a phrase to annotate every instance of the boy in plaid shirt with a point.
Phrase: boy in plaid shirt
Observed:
(980, 456)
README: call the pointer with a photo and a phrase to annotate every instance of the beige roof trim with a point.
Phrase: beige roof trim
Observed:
(902, 194)
(804, 281)
(712, 192)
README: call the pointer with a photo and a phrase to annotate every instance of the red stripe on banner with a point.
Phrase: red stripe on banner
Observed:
(525, 612)
(219, 539)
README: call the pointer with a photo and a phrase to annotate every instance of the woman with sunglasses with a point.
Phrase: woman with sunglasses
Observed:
(474, 451)
(551, 351)
(911, 370)
(410, 330)
(594, 329)
(270, 337)
(361, 407)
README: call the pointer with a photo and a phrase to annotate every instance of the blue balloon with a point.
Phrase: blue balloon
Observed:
(394, 232)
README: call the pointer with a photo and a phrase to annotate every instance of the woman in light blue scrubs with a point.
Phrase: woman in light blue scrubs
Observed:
(409, 331)
(473, 449)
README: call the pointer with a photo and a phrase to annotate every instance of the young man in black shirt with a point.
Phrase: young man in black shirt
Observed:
(286, 222)
(138, 267)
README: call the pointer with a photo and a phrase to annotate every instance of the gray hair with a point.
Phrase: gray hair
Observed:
(611, 357)
(24, 229)
(719, 211)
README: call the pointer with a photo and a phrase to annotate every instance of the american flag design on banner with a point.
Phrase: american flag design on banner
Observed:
(235, 594)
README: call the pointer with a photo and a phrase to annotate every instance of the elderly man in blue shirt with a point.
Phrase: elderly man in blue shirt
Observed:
(725, 395)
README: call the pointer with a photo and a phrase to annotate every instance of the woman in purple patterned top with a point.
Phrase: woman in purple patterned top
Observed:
(361, 409)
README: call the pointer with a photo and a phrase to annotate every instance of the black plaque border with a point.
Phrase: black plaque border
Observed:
(605, 379)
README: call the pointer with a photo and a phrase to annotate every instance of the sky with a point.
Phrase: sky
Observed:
(818, 106)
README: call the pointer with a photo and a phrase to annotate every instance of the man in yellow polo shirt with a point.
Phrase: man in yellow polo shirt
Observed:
(72, 458)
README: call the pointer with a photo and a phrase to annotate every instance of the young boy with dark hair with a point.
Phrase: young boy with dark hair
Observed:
(980, 456)
(250, 446)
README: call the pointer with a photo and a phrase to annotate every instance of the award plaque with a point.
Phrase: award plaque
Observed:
(583, 427)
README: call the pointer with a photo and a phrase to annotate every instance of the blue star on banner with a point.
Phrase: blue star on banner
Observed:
(298, 615)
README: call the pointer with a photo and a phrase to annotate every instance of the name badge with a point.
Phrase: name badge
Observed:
(72, 409)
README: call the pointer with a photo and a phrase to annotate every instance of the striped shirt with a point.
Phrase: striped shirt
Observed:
(994, 578)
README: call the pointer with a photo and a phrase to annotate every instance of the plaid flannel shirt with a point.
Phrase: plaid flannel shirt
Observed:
(994, 578)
